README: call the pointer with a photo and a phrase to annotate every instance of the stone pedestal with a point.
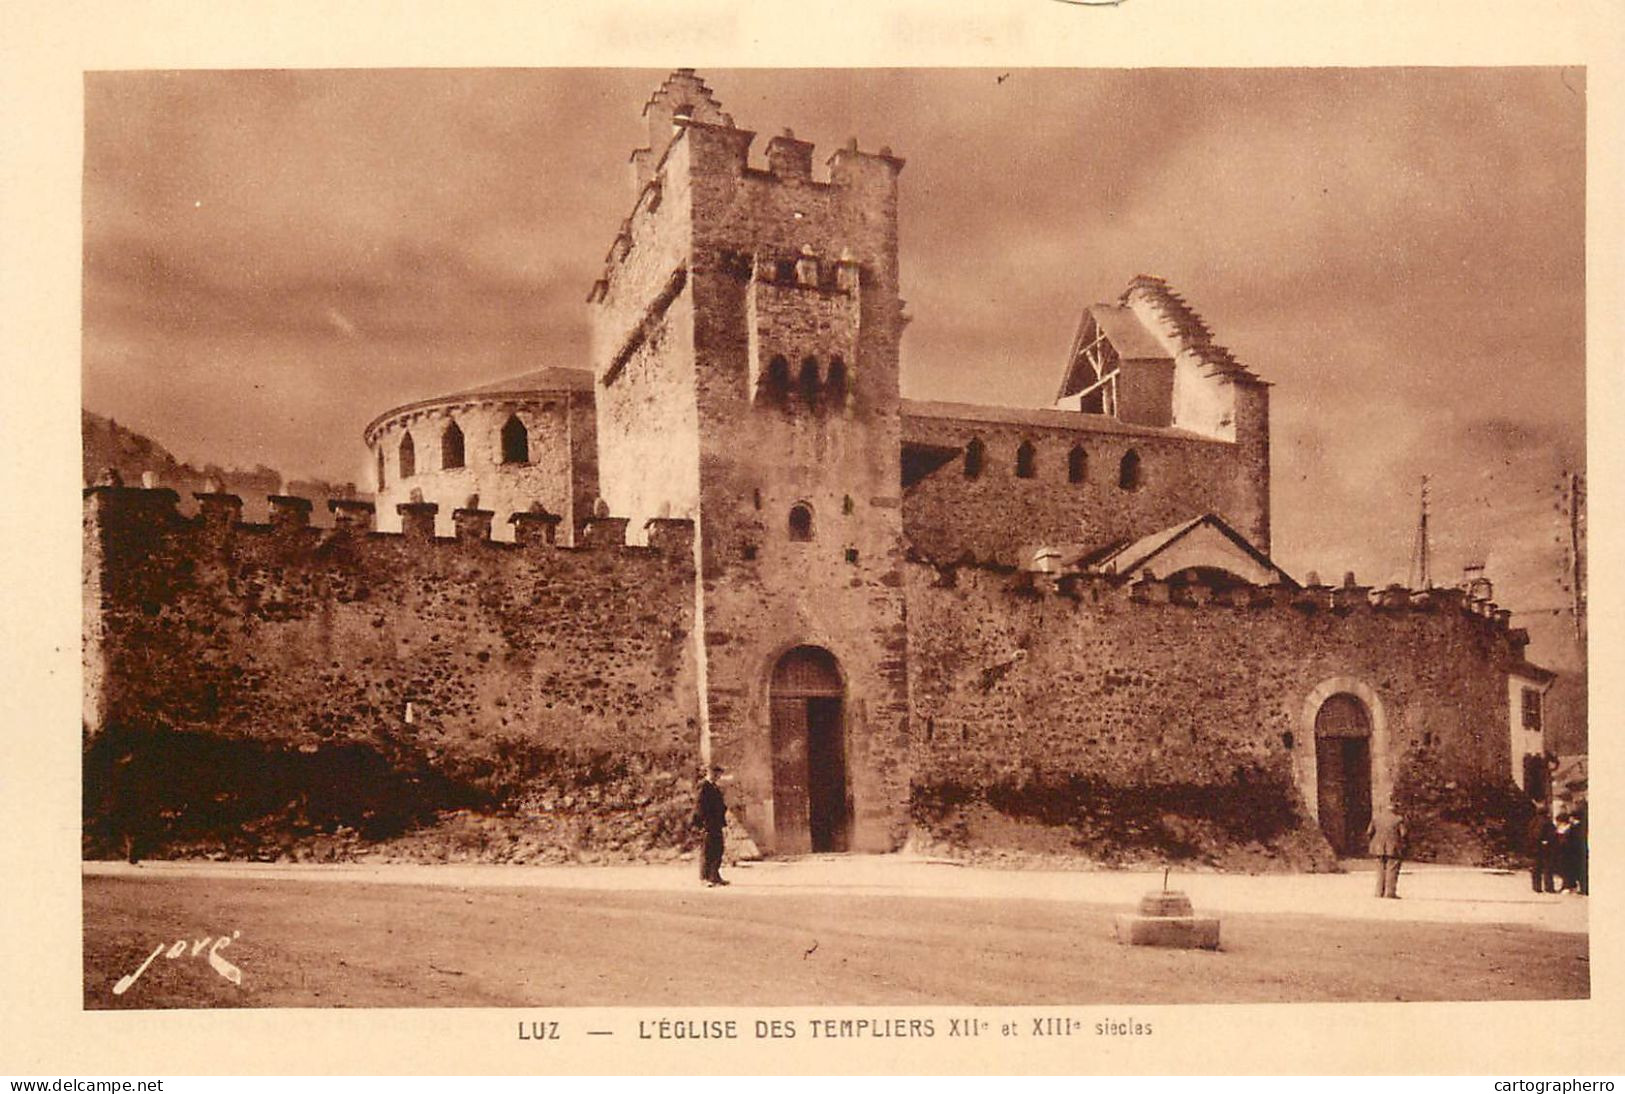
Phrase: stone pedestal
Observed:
(1167, 919)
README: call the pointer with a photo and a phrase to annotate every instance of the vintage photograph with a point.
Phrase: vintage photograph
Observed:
(843, 538)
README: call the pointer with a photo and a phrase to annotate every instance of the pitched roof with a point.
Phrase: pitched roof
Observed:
(1127, 334)
(1131, 558)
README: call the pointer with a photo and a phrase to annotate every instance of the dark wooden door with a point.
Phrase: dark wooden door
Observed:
(1329, 777)
(790, 826)
(806, 703)
(1343, 772)
(1534, 777)
(826, 775)
(1356, 793)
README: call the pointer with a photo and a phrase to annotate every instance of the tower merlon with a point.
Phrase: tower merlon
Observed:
(472, 525)
(848, 166)
(535, 528)
(601, 533)
(351, 515)
(219, 510)
(789, 158)
(289, 513)
(417, 519)
(672, 536)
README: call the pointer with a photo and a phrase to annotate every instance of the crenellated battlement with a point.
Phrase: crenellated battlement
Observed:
(1349, 600)
(282, 630)
(854, 177)
(122, 512)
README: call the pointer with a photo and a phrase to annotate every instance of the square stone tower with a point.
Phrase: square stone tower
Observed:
(745, 345)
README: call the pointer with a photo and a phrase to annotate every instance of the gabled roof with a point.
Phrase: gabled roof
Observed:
(1165, 320)
(1204, 541)
(1130, 337)
(1533, 672)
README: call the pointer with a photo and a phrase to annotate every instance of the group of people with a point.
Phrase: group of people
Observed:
(1558, 851)
(1557, 847)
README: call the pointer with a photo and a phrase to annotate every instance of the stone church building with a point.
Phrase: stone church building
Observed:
(731, 539)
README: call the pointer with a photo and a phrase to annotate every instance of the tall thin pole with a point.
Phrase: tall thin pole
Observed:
(1577, 553)
(1421, 574)
(1427, 573)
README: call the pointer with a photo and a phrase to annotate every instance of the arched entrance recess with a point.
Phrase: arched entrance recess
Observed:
(811, 810)
(1343, 771)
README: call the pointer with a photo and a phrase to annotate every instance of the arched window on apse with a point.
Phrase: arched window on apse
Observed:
(801, 523)
(1130, 475)
(380, 468)
(975, 457)
(451, 447)
(515, 441)
(1026, 460)
(409, 457)
(1077, 464)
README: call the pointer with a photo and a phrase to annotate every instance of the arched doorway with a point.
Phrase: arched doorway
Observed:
(810, 806)
(1343, 771)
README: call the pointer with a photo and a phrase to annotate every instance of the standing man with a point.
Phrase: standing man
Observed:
(1542, 838)
(1387, 835)
(710, 813)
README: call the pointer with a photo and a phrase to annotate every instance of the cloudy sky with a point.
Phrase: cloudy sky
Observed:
(272, 258)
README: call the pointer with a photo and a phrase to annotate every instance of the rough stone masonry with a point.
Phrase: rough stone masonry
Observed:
(1055, 629)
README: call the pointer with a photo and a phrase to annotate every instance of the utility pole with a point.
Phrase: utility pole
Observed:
(1577, 537)
(1421, 576)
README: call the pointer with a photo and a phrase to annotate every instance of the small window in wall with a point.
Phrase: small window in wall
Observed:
(835, 386)
(809, 379)
(1531, 709)
(1026, 461)
(975, 457)
(409, 457)
(1077, 464)
(515, 441)
(778, 379)
(380, 468)
(852, 555)
(801, 520)
(846, 504)
(1130, 475)
(451, 447)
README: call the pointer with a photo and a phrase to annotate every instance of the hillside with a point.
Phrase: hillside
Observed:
(107, 444)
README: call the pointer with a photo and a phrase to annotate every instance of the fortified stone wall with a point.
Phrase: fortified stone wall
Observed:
(949, 515)
(1165, 718)
(460, 672)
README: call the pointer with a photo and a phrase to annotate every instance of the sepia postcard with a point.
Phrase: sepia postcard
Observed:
(695, 541)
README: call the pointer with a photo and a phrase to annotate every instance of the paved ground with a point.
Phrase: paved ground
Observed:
(1435, 894)
(820, 930)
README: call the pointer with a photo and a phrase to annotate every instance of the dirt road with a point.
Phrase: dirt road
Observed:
(780, 937)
